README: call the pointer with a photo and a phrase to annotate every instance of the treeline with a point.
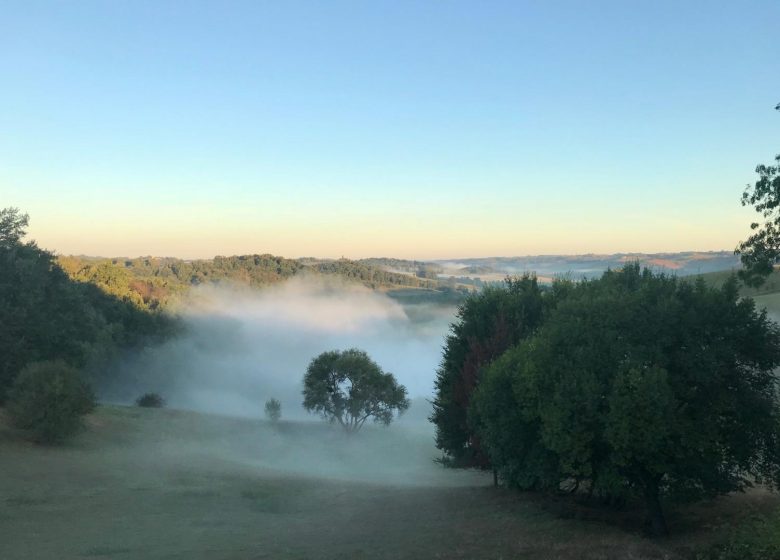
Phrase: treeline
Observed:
(409, 266)
(632, 386)
(152, 283)
(373, 276)
(47, 317)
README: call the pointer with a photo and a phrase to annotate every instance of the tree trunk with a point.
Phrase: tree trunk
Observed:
(654, 511)
(591, 488)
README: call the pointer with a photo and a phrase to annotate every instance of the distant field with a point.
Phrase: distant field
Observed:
(770, 286)
(766, 296)
(422, 295)
(770, 302)
(153, 484)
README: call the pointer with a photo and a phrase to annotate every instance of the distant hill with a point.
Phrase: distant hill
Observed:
(682, 264)
(153, 282)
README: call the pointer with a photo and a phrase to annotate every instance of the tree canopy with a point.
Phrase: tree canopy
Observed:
(153, 282)
(760, 251)
(638, 384)
(45, 315)
(348, 387)
(13, 226)
(487, 324)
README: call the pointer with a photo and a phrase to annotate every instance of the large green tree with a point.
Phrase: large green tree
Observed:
(638, 385)
(486, 325)
(349, 388)
(45, 315)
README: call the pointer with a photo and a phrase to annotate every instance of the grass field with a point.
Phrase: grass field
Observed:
(142, 483)
(770, 286)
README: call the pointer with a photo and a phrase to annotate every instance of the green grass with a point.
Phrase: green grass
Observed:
(766, 296)
(770, 286)
(160, 483)
(757, 538)
(422, 295)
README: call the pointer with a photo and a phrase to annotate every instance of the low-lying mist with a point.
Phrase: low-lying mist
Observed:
(244, 346)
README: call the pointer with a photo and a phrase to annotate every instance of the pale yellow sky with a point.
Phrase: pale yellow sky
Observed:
(415, 233)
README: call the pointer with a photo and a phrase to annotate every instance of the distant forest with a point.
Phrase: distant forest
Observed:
(152, 282)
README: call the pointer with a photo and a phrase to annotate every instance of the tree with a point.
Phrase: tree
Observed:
(642, 385)
(273, 410)
(487, 324)
(348, 387)
(49, 399)
(150, 400)
(761, 250)
(13, 226)
(509, 428)
(45, 315)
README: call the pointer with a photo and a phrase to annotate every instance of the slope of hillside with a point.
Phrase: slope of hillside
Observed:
(682, 264)
(166, 484)
(152, 282)
(770, 286)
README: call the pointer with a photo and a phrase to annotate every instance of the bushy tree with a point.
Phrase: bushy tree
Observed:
(13, 226)
(487, 324)
(348, 387)
(639, 385)
(150, 400)
(761, 250)
(273, 410)
(49, 399)
(509, 427)
(44, 315)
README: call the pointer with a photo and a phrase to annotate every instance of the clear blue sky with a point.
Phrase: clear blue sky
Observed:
(413, 129)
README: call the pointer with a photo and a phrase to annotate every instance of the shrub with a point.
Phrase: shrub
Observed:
(150, 400)
(273, 410)
(49, 399)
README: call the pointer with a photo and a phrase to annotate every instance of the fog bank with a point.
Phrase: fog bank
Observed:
(244, 346)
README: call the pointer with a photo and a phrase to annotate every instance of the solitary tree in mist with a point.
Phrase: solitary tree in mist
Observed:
(273, 410)
(349, 388)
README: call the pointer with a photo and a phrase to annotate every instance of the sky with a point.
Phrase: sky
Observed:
(385, 128)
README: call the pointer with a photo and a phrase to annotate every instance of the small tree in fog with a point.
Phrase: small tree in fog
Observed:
(273, 410)
(349, 388)
(150, 400)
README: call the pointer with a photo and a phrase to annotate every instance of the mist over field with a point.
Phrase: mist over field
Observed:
(244, 346)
